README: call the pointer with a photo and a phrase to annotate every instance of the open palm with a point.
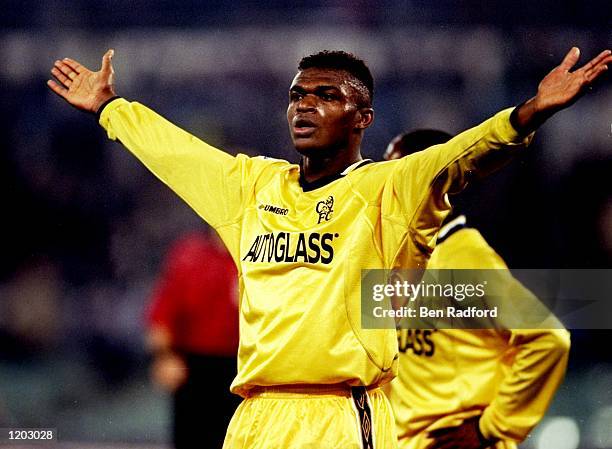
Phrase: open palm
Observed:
(561, 88)
(81, 87)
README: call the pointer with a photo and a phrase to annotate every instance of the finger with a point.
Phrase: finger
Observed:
(594, 74)
(598, 63)
(74, 65)
(448, 445)
(66, 69)
(442, 440)
(431, 445)
(599, 59)
(55, 87)
(66, 82)
(439, 441)
(570, 60)
(107, 63)
(439, 432)
(443, 444)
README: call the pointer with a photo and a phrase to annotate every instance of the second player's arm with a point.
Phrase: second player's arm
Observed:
(526, 392)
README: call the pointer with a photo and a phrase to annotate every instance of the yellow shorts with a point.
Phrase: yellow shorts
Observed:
(311, 417)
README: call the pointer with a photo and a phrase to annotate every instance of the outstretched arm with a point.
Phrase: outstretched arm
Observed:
(560, 89)
(80, 87)
(211, 181)
(422, 180)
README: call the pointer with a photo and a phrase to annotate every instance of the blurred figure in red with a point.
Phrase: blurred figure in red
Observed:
(193, 334)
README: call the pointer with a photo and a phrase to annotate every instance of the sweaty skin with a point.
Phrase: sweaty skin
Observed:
(325, 122)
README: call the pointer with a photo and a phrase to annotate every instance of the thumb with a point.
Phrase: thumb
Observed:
(571, 58)
(107, 61)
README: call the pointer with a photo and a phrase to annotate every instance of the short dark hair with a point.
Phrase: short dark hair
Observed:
(420, 139)
(341, 60)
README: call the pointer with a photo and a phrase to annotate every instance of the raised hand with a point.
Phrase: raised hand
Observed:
(560, 89)
(79, 86)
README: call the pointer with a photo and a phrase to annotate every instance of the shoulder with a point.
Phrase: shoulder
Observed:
(467, 248)
(468, 238)
(374, 169)
(263, 163)
(266, 160)
(406, 163)
(259, 170)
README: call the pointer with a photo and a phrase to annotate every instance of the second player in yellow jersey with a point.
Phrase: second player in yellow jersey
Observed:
(497, 382)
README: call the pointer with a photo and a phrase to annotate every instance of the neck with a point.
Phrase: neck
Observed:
(315, 168)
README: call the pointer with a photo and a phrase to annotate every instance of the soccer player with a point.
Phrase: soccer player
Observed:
(470, 389)
(300, 235)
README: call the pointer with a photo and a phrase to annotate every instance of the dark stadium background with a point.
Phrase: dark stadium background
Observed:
(85, 226)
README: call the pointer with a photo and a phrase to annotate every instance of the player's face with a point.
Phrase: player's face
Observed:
(322, 112)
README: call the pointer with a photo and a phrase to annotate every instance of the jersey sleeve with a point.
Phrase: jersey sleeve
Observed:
(526, 392)
(422, 180)
(214, 183)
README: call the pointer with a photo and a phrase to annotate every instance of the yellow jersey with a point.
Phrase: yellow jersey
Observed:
(300, 248)
(446, 376)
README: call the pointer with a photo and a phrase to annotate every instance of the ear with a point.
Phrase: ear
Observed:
(364, 118)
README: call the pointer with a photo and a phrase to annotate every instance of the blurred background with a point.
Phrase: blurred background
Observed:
(86, 227)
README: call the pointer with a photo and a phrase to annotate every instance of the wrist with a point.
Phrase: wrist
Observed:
(102, 100)
(103, 104)
(530, 115)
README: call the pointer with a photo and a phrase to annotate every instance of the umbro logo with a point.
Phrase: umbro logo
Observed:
(325, 209)
(273, 209)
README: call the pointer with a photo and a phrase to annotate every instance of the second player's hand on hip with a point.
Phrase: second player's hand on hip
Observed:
(465, 436)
